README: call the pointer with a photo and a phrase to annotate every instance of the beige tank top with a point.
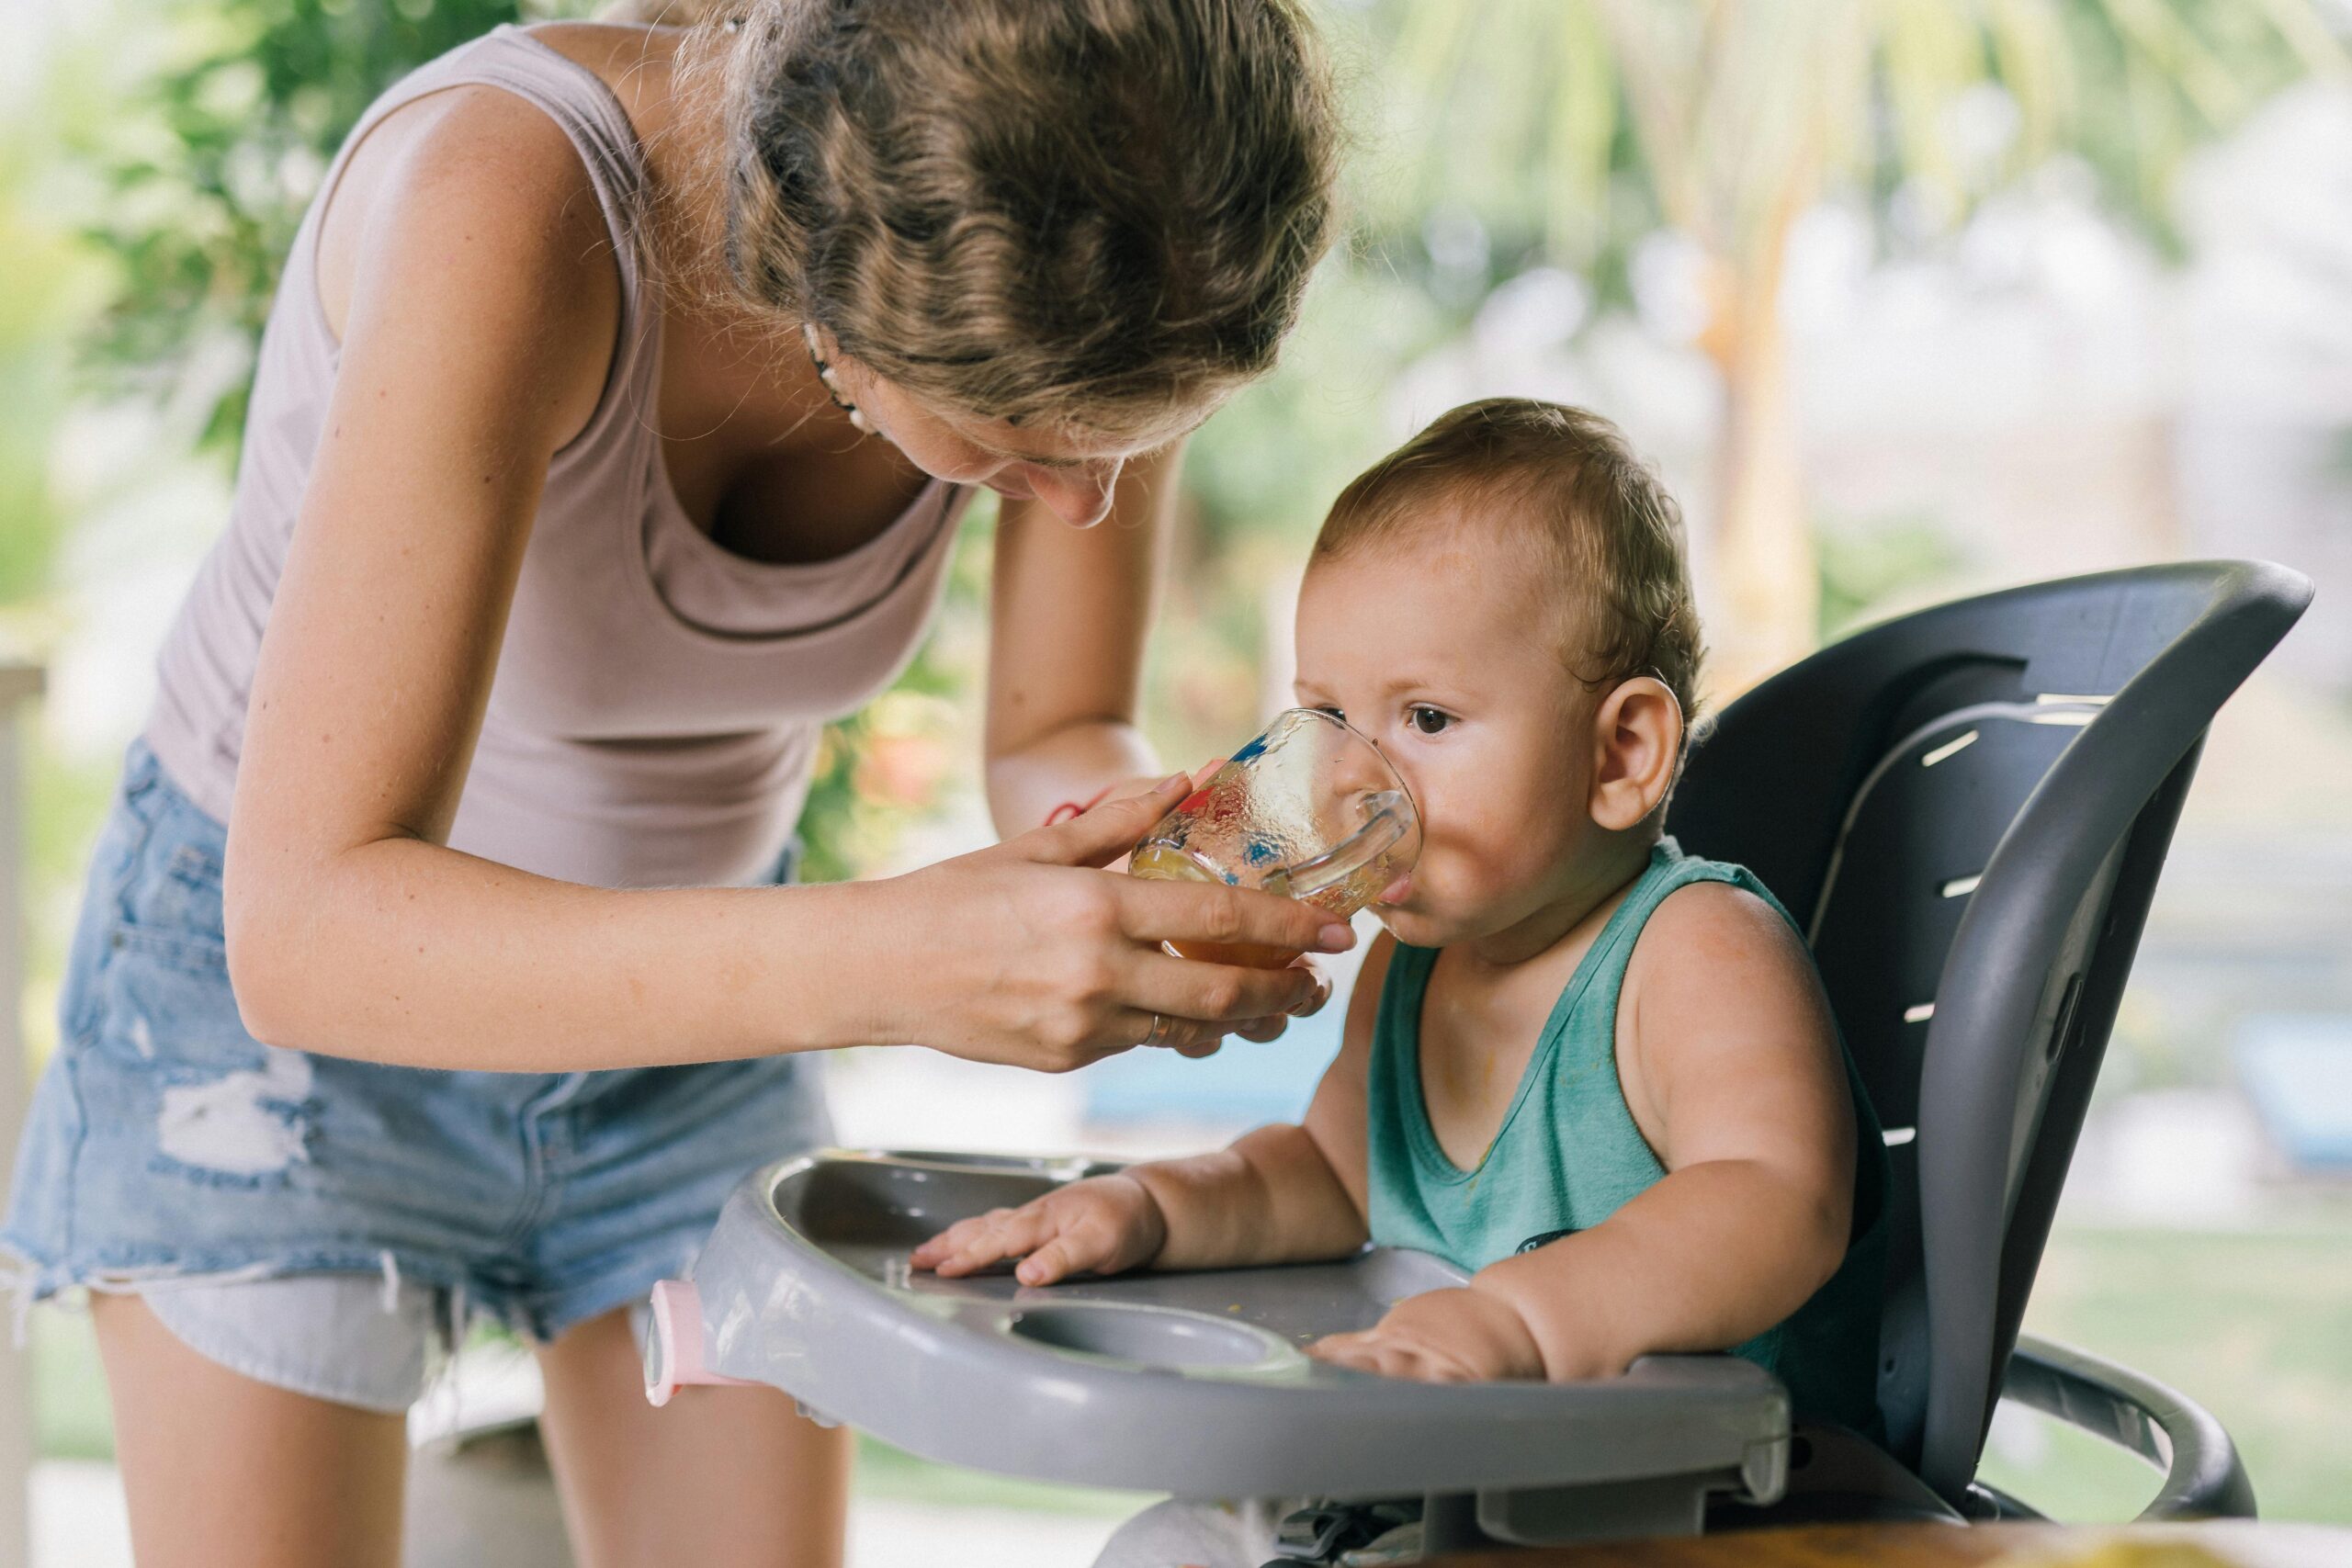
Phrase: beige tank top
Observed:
(659, 699)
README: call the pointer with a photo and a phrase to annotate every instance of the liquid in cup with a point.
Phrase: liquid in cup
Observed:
(1309, 809)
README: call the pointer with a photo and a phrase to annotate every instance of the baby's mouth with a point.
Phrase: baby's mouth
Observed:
(1396, 892)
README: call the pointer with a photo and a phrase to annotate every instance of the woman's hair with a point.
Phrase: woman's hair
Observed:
(1607, 531)
(1095, 214)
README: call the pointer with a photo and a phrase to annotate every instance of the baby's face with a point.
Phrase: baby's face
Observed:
(1445, 649)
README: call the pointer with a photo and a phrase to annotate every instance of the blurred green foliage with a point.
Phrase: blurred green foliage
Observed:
(211, 166)
(1865, 571)
(53, 282)
(1572, 128)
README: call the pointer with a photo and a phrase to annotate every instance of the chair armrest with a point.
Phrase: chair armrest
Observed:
(2203, 1477)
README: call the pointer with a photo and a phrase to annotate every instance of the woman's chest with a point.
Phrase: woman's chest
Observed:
(758, 460)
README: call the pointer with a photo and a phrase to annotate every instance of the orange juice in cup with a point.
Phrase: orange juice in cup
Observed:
(1309, 809)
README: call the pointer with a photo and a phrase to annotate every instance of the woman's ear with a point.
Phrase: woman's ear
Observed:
(1637, 737)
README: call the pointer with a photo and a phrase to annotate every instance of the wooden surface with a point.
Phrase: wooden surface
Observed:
(2237, 1544)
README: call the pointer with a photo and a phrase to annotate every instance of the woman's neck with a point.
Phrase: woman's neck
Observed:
(674, 100)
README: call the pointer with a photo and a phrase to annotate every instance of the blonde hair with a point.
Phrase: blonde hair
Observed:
(1089, 214)
(1605, 526)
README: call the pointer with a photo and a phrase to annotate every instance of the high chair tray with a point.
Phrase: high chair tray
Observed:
(1190, 1384)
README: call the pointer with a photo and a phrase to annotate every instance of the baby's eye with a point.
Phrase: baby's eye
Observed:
(1426, 720)
(1335, 711)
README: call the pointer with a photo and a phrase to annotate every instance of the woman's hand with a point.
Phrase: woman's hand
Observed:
(1462, 1335)
(1029, 953)
(1263, 1031)
(1105, 1225)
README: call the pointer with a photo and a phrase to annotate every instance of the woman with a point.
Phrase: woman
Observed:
(621, 394)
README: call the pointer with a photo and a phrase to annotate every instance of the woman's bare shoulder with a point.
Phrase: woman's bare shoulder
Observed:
(469, 215)
(484, 170)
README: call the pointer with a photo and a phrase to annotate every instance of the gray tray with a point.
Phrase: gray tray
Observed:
(1189, 1383)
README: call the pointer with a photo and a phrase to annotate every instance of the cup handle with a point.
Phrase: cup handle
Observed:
(1384, 828)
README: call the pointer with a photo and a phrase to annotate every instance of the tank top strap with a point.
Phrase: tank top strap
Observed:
(599, 129)
(1582, 1031)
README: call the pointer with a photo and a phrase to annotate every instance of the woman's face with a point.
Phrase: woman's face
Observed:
(1071, 473)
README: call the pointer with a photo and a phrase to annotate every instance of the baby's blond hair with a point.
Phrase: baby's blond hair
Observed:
(1601, 519)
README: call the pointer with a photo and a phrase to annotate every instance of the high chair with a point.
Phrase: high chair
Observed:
(1967, 808)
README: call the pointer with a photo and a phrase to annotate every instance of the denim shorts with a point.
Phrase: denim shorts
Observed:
(316, 1222)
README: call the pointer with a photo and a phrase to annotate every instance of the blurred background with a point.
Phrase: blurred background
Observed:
(1906, 297)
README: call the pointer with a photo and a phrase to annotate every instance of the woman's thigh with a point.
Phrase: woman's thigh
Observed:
(223, 1472)
(726, 1477)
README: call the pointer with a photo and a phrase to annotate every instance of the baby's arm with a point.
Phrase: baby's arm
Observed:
(1731, 1062)
(1281, 1194)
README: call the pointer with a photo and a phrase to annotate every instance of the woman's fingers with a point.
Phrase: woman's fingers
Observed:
(1201, 914)
(1100, 835)
(1189, 991)
(1322, 985)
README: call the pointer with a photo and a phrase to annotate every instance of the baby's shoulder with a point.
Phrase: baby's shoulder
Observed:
(1712, 915)
(1714, 946)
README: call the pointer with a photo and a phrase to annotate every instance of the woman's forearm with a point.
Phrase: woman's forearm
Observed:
(1269, 1198)
(404, 952)
(1074, 762)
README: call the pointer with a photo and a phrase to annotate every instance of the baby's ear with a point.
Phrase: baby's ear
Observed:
(1637, 736)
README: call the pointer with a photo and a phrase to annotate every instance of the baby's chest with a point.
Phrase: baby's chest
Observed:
(1470, 1075)
(1476, 1072)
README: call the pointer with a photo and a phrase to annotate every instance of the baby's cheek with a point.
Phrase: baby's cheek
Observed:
(1482, 850)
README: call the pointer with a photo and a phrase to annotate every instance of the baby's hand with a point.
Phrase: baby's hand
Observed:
(1103, 1225)
(1452, 1335)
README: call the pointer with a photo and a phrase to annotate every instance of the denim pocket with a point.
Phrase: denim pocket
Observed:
(165, 1003)
(174, 905)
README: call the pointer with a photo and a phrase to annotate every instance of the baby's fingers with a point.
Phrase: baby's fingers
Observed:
(1343, 1350)
(971, 1246)
(1058, 1259)
(1371, 1351)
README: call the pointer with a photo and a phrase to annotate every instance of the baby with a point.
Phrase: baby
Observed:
(1596, 1074)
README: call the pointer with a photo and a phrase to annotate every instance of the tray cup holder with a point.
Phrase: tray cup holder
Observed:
(1146, 1335)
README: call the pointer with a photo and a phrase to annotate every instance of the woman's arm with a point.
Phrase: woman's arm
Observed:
(479, 320)
(1069, 610)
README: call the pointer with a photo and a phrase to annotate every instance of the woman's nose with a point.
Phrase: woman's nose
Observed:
(1079, 497)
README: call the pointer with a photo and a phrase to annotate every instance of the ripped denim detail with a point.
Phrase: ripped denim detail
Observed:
(239, 1128)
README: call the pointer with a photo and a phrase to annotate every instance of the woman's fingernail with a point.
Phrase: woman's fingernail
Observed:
(1172, 780)
(1336, 937)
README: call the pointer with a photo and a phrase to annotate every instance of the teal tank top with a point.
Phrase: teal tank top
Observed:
(1569, 1155)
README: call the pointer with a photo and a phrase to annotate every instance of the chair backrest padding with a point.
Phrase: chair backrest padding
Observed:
(1968, 807)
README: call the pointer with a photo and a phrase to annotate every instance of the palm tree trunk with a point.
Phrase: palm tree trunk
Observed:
(1767, 591)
